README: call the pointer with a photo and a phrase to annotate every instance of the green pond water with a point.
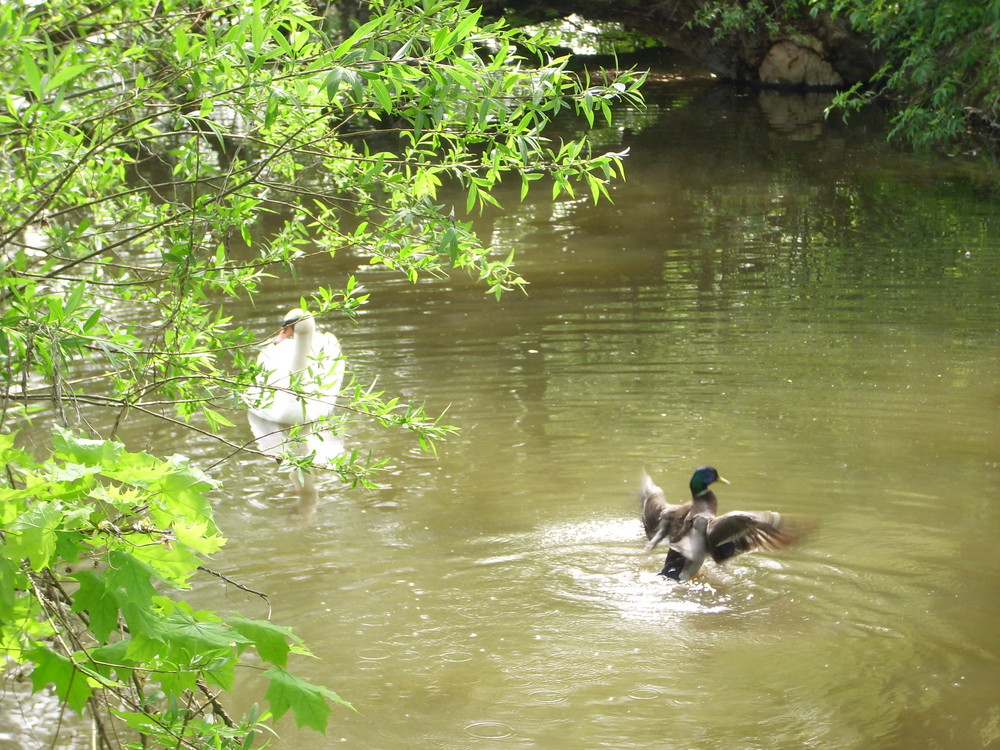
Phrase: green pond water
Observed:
(781, 296)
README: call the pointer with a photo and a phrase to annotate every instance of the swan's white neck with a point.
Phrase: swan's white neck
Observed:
(303, 339)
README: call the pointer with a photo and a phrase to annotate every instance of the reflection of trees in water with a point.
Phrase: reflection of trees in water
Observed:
(759, 184)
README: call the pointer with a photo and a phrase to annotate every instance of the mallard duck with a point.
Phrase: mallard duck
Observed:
(694, 532)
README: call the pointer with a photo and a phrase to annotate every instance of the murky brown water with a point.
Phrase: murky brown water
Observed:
(811, 312)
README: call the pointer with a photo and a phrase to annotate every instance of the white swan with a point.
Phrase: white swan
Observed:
(301, 374)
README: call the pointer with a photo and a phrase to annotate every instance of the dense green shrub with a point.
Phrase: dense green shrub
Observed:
(943, 63)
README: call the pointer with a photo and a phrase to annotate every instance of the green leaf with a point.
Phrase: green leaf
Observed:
(215, 419)
(112, 657)
(75, 299)
(99, 602)
(8, 587)
(171, 562)
(467, 23)
(381, 94)
(221, 672)
(309, 703)
(136, 596)
(130, 574)
(63, 76)
(143, 622)
(175, 680)
(31, 73)
(84, 450)
(257, 31)
(199, 637)
(181, 41)
(32, 535)
(356, 39)
(54, 669)
(70, 472)
(141, 722)
(270, 640)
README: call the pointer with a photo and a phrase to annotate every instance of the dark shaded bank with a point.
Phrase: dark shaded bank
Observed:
(779, 52)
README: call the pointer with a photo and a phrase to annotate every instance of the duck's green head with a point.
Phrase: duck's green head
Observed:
(704, 476)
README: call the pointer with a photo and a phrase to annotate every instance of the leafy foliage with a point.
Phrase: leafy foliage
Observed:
(943, 60)
(726, 17)
(98, 530)
(159, 159)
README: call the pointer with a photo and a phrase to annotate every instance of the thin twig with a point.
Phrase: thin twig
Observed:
(240, 586)
(217, 708)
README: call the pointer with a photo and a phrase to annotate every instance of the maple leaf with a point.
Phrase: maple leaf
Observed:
(56, 670)
(33, 534)
(308, 702)
(270, 640)
(98, 600)
(84, 450)
(198, 637)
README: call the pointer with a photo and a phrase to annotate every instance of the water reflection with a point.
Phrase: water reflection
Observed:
(817, 319)
(781, 310)
(798, 117)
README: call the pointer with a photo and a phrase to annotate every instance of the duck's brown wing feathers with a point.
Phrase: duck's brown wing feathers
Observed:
(737, 532)
(653, 504)
(660, 519)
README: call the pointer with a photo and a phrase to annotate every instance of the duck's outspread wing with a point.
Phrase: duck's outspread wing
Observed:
(660, 519)
(737, 532)
(653, 504)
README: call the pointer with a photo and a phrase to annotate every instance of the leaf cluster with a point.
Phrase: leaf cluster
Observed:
(160, 160)
(942, 63)
(90, 536)
(726, 17)
(145, 145)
